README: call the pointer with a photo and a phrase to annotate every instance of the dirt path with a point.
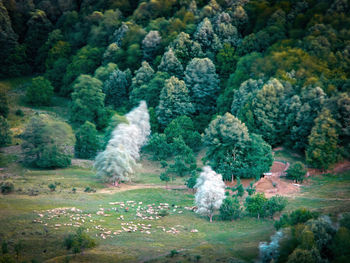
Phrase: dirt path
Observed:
(128, 187)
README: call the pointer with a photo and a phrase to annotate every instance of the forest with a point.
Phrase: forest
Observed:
(184, 105)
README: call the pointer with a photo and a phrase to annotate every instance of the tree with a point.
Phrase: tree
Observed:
(186, 49)
(239, 188)
(142, 76)
(301, 256)
(39, 92)
(85, 61)
(174, 101)
(149, 92)
(203, 83)
(297, 172)
(48, 143)
(226, 61)
(210, 192)
(256, 204)
(150, 44)
(206, 37)
(159, 147)
(313, 99)
(170, 64)
(166, 178)
(103, 72)
(230, 209)
(191, 181)
(323, 142)
(88, 101)
(5, 133)
(116, 89)
(231, 151)
(118, 161)
(275, 204)
(87, 141)
(4, 105)
(183, 126)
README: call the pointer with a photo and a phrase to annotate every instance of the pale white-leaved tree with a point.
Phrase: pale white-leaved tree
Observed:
(119, 160)
(210, 192)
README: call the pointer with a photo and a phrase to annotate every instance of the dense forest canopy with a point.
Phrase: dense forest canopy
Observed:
(280, 67)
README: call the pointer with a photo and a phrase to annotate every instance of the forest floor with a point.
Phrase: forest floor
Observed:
(41, 218)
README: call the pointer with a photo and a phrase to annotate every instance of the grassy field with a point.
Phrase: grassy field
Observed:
(220, 240)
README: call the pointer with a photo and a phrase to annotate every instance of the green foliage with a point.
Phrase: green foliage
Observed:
(203, 83)
(4, 105)
(275, 204)
(299, 216)
(174, 101)
(52, 187)
(48, 143)
(296, 172)
(116, 89)
(233, 152)
(230, 209)
(226, 61)
(159, 147)
(6, 188)
(5, 133)
(183, 126)
(191, 181)
(103, 72)
(87, 141)
(88, 102)
(239, 188)
(251, 189)
(323, 151)
(79, 241)
(39, 92)
(255, 205)
(85, 61)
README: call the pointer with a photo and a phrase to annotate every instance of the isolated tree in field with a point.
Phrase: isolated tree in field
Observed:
(323, 142)
(174, 101)
(88, 101)
(47, 142)
(297, 172)
(210, 192)
(150, 44)
(5, 133)
(116, 89)
(170, 64)
(255, 205)
(87, 141)
(118, 161)
(203, 83)
(39, 92)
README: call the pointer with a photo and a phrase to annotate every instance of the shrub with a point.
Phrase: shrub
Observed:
(39, 92)
(88, 189)
(79, 241)
(297, 172)
(5, 133)
(299, 216)
(230, 209)
(255, 205)
(6, 187)
(52, 187)
(19, 113)
(251, 189)
(275, 204)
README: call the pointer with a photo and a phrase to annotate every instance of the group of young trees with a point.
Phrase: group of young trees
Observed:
(211, 197)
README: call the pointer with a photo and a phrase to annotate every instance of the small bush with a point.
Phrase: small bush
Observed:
(52, 187)
(6, 187)
(163, 213)
(19, 113)
(79, 241)
(173, 253)
(230, 209)
(39, 92)
(74, 190)
(88, 189)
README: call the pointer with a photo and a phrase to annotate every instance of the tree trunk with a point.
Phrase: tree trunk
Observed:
(232, 178)
(210, 218)
(166, 185)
